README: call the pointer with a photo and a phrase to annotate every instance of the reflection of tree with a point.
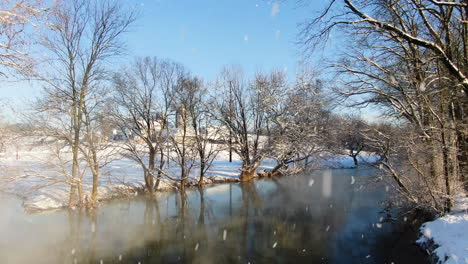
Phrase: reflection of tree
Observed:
(202, 232)
(74, 221)
(82, 241)
(283, 220)
(92, 243)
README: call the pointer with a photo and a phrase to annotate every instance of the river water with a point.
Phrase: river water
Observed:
(332, 216)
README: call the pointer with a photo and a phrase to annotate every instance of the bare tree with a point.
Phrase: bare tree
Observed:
(96, 149)
(194, 121)
(184, 139)
(412, 62)
(298, 120)
(20, 24)
(243, 110)
(83, 36)
(351, 137)
(144, 94)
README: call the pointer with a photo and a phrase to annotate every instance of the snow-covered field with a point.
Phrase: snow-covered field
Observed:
(447, 236)
(40, 178)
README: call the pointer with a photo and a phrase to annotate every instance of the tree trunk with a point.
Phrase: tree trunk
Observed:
(73, 201)
(94, 192)
(161, 167)
(247, 174)
(80, 194)
(202, 172)
(356, 164)
(149, 175)
(183, 181)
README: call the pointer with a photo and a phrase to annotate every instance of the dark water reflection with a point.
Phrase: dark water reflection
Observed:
(317, 218)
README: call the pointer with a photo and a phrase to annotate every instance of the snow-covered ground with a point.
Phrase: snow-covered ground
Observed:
(45, 186)
(447, 236)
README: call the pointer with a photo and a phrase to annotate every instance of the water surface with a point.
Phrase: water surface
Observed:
(333, 216)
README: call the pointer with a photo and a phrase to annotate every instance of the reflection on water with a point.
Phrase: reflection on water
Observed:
(324, 217)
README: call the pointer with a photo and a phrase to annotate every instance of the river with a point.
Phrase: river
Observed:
(329, 216)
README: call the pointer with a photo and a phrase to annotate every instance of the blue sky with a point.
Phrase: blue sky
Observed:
(205, 35)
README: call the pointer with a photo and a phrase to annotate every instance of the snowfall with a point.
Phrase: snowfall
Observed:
(447, 236)
(33, 174)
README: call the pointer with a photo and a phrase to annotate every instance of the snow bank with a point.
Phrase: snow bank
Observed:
(448, 235)
(45, 187)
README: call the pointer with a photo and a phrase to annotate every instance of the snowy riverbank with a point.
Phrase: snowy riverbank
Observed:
(446, 238)
(40, 181)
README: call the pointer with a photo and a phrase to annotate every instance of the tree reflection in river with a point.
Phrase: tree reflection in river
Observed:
(284, 220)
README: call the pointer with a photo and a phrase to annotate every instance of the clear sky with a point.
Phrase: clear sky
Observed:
(205, 35)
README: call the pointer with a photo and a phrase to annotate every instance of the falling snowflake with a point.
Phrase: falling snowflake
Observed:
(275, 244)
(275, 9)
(328, 228)
(120, 257)
(352, 180)
(73, 251)
(422, 86)
(277, 34)
(378, 225)
(311, 182)
(224, 234)
(427, 232)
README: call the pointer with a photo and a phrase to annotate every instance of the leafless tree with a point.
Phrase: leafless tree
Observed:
(21, 22)
(298, 120)
(412, 62)
(194, 120)
(240, 110)
(144, 95)
(83, 36)
(183, 141)
(350, 137)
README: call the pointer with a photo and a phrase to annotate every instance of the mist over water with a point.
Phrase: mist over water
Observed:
(322, 217)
